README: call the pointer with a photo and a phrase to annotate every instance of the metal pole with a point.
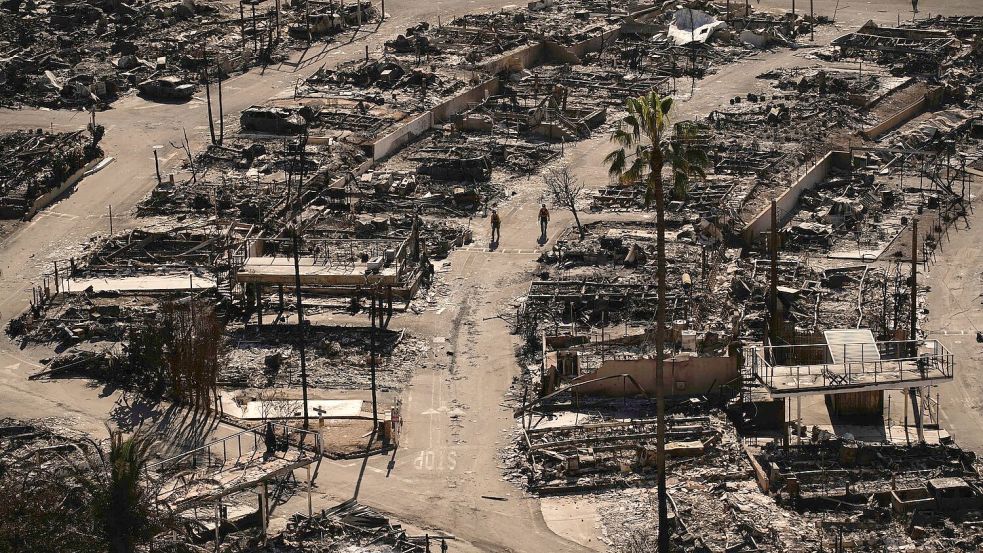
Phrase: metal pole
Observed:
(798, 420)
(110, 219)
(242, 26)
(300, 323)
(812, 23)
(218, 525)
(157, 164)
(906, 437)
(914, 284)
(774, 323)
(919, 420)
(264, 512)
(375, 408)
(310, 505)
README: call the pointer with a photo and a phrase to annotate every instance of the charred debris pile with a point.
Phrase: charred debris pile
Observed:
(827, 189)
(81, 54)
(38, 166)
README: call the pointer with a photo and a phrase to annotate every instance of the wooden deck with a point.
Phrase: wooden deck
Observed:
(313, 272)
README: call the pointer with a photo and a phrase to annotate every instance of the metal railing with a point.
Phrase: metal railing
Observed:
(881, 362)
(243, 446)
(210, 453)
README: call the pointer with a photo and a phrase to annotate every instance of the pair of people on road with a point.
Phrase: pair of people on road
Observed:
(496, 223)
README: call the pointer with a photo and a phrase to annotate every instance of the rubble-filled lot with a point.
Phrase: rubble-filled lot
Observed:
(90, 53)
(37, 165)
(338, 358)
(255, 181)
(843, 249)
(606, 280)
(351, 526)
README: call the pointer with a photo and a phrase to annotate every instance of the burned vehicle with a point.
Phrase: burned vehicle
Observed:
(273, 120)
(166, 88)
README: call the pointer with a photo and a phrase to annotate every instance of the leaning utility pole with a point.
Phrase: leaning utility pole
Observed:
(300, 322)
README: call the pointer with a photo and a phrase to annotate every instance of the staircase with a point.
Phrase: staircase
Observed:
(751, 388)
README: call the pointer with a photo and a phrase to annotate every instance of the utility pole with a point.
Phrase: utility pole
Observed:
(242, 26)
(773, 246)
(255, 34)
(913, 333)
(208, 94)
(300, 322)
(277, 20)
(374, 313)
(221, 112)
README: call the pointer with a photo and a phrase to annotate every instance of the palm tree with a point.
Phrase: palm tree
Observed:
(120, 502)
(645, 145)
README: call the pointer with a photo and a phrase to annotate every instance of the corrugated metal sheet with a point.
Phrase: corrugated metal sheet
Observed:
(852, 346)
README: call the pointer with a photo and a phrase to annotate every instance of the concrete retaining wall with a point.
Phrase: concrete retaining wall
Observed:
(45, 199)
(931, 98)
(518, 59)
(594, 44)
(547, 51)
(515, 60)
(459, 103)
(754, 232)
(558, 54)
(392, 142)
(899, 118)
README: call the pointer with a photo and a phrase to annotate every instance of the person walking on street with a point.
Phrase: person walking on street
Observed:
(544, 219)
(496, 224)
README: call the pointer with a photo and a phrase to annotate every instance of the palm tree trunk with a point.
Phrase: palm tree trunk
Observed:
(660, 333)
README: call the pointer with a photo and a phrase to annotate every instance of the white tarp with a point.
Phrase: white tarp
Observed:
(142, 283)
(294, 408)
(689, 25)
(754, 39)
